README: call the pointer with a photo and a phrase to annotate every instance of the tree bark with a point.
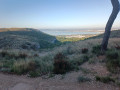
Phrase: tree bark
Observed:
(116, 9)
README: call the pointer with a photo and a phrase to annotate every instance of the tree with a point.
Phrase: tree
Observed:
(116, 9)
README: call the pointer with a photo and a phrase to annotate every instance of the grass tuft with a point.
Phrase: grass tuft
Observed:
(83, 79)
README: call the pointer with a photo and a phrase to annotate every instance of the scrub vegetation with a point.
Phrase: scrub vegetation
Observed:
(64, 59)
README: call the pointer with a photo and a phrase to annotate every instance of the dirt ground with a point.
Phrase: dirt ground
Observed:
(58, 82)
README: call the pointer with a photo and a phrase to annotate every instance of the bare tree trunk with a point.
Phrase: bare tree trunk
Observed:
(116, 8)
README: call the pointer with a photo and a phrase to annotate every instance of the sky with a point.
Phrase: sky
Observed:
(56, 14)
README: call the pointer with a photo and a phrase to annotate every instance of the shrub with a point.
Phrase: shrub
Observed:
(111, 54)
(20, 67)
(91, 61)
(22, 55)
(84, 59)
(84, 50)
(59, 56)
(84, 70)
(104, 79)
(76, 62)
(113, 65)
(36, 55)
(96, 49)
(83, 79)
(4, 53)
(7, 63)
(113, 61)
(33, 65)
(23, 67)
(61, 65)
(34, 74)
(74, 65)
(12, 55)
(69, 50)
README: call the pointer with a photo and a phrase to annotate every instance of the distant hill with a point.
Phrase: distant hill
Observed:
(114, 34)
(74, 38)
(26, 38)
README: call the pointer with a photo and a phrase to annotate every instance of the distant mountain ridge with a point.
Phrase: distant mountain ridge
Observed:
(25, 38)
(14, 29)
(114, 34)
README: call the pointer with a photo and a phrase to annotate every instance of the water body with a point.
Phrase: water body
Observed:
(67, 32)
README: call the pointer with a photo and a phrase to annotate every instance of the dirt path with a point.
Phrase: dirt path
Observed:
(69, 82)
(59, 82)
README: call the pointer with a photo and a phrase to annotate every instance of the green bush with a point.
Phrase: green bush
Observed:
(34, 74)
(76, 62)
(113, 61)
(96, 49)
(112, 54)
(91, 61)
(85, 58)
(106, 79)
(74, 65)
(113, 65)
(7, 63)
(20, 67)
(23, 67)
(22, 63)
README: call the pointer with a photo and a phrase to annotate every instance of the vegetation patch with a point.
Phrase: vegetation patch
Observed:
(76, 62)
(84, 50)
(72, 39)
(33, 74)
(13, 55)
(83, 79)
(91, 61)
(106, 79)
(113, 61)
(96, 49)
(61, 65)
(25, 63)
(84, 70)
(21, 67)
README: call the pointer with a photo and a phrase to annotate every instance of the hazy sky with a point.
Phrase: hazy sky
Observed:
(56, 13)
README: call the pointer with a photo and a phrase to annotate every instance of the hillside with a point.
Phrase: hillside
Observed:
(88, 70)
(114, 34)
(25, 38)
(72, 66)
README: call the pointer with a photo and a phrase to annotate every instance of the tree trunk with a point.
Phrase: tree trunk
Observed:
(116, 8)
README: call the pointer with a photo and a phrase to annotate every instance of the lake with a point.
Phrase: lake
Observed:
(69, 32)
